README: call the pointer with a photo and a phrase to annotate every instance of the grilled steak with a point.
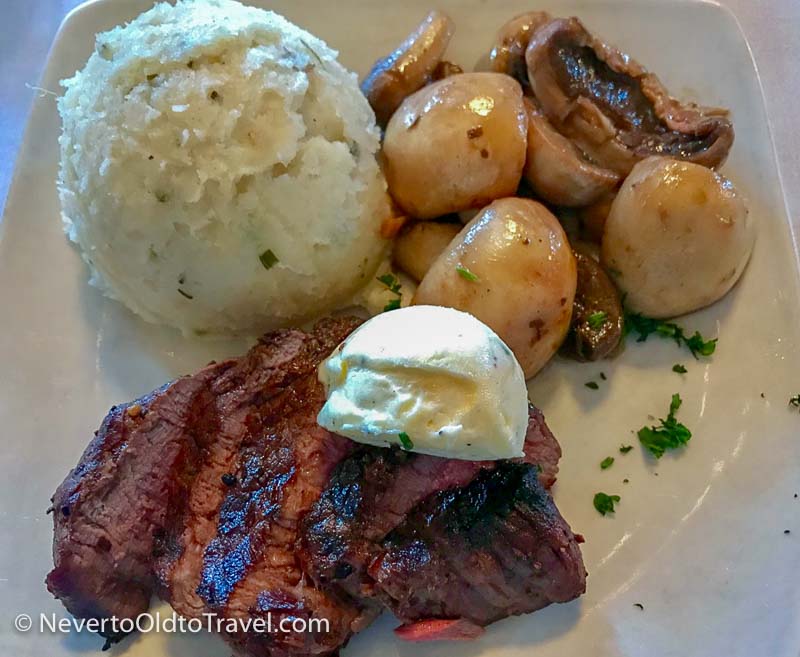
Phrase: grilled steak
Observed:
(195, 491)
(221, 494)
(370, 494)
(130, 483)
(495, 548)
(373, 491)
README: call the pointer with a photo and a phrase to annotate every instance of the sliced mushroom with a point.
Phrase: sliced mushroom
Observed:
(418, 246)
(612, 108)
(410, 67)
(593, 217)
(597, 316)
(445, 69)
(557, 170)
(508, 54)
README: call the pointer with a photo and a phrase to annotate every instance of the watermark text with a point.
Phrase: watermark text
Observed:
(170, 623)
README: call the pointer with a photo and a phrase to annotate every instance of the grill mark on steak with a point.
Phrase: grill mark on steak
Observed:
(251, 568)
(368, 495)
(235, 561)
(263, 375)
(144, 502)
(199, 492)
(260, 514)
(115, 506)
(495, 548)
(372, 492)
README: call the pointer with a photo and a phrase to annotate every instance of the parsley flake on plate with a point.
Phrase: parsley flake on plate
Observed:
(268, 259)
(592, 385)
(793, 401)
(607, 462)
(646, 326)
(624, 449)
(605, 503)
(671, 434)
(679, 369)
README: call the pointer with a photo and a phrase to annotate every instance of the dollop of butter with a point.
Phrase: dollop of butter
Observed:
(429, 379)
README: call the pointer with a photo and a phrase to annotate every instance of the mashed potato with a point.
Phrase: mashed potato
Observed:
(218, 169)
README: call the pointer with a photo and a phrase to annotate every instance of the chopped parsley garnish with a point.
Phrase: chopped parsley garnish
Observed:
(670, 435)
(607, 462)
(466, 274)
(405, 441)
(645, 326)
(624, 449)
(596, 320)
(268, 259)
(185, 294)
(678, 368)
(603, 376)
(605, 503)
(592, 385)
(794, 401)
(393, 285)
(697, 345)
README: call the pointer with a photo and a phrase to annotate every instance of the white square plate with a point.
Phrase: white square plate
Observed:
(698, 538)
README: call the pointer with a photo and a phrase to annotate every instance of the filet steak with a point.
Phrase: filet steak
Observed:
(195, 491)
(495, 548)
(371, 493)
(220, 493)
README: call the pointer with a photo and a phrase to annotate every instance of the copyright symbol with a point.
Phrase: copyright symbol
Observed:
(23, 623)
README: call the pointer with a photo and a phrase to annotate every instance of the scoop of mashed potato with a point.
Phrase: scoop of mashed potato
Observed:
(218, 170)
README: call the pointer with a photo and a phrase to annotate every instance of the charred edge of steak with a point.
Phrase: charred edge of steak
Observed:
(121, 513)
(333, 542)
(115, 505)
(252, 398)
(495, 548)
(250, 566)
(368, 495)
(372, 492)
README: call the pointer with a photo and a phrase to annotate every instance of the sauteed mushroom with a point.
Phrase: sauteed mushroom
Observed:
(557, 170)
(597, 317)
(677, 238)
(445, 69)
(512, 268)
(612, 108)
(410, 67)
(456, 144)
(508, 54)
(419, 245)
(593, 217)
